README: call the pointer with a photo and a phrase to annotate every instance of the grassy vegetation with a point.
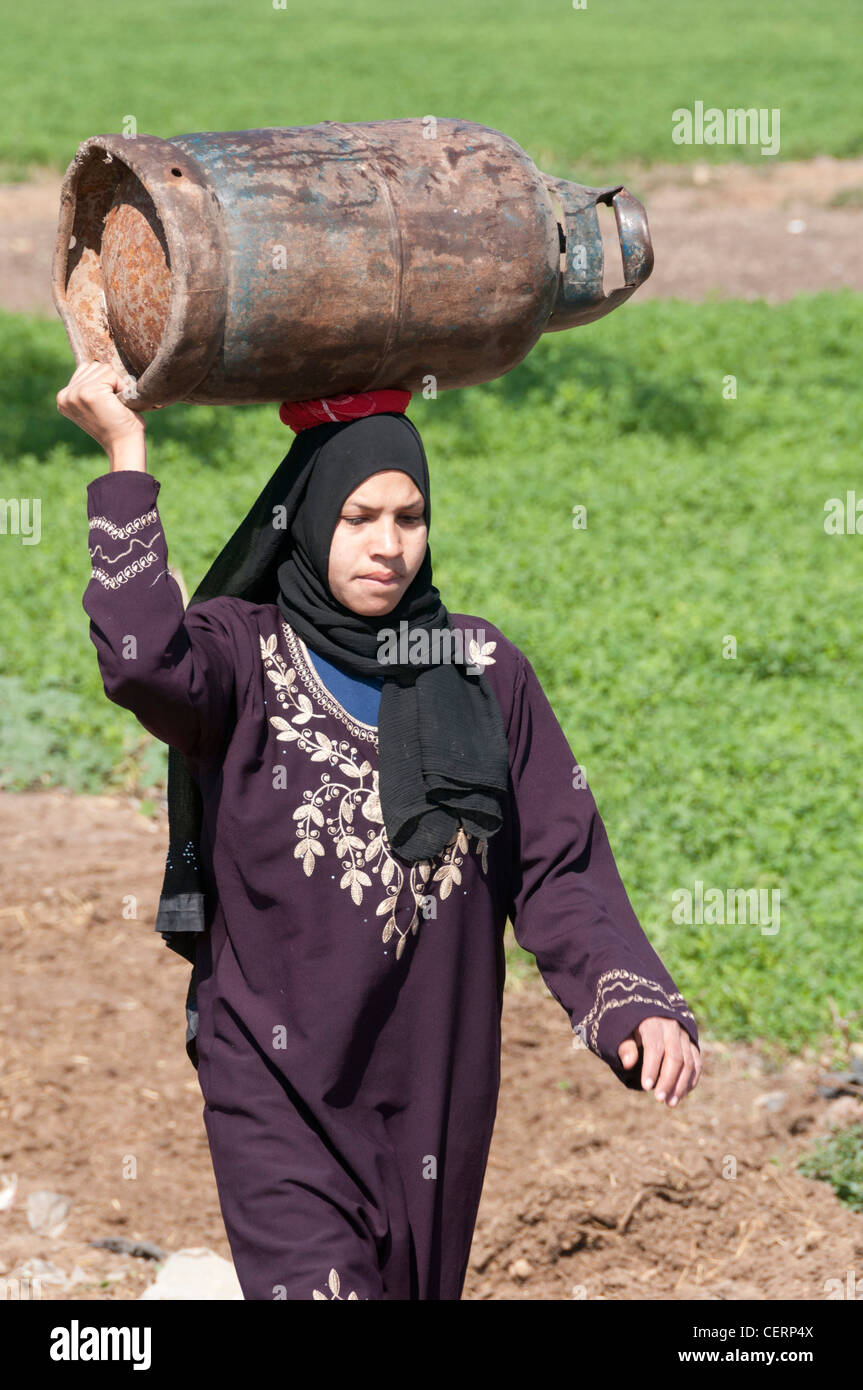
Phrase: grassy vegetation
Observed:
(705, 518)
(839, 1161)
(586, 92)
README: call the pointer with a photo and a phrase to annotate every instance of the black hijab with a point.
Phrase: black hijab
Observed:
(443, 758)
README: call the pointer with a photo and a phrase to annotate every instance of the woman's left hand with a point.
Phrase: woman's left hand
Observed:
(669, 1054)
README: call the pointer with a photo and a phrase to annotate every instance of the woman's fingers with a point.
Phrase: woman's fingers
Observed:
(670, 1057)
(672, 1061)
(91, 400)
(83, 372)
(690, 1071)
(696, 1057)
(650, 1032)
(687, 1077)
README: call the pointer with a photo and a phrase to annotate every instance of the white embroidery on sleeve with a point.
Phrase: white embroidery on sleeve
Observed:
(606, 999)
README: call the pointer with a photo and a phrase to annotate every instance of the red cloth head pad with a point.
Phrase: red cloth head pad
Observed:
(302, 415)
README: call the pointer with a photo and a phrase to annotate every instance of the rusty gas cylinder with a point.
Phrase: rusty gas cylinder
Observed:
(280, 264)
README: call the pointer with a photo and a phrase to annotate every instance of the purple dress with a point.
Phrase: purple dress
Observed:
(349, 1002)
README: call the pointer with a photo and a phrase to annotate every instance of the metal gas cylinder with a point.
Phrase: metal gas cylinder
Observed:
(280, 264)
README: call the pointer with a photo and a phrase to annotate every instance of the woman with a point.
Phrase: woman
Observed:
(363, 839)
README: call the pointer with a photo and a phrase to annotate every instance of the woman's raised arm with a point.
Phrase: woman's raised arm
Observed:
(173, 668)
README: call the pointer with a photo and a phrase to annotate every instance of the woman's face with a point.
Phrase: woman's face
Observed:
(380, 532)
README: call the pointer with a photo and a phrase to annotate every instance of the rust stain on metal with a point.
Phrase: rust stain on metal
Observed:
(137, 274)
(276, 264)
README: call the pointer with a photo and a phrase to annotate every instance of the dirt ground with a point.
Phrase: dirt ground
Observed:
(753, 231)
(771, 230)
(592, 1191)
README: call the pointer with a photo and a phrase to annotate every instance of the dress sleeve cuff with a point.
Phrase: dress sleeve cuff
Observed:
(623, 1000)
(122, 495)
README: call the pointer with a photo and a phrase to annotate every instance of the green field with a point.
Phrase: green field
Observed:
(705, 515)
(705, 518)
(586, 92)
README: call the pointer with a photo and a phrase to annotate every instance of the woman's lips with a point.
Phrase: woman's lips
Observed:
(372, 579)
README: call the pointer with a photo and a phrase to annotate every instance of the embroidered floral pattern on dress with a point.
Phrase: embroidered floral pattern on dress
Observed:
(618, 980)
(353, 796)
(334, 1284)
(479, 655)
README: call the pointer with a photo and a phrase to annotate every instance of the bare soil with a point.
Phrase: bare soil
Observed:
(741, 231)
(592, 1191)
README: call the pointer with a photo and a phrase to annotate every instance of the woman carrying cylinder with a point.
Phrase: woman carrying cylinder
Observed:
(349, 836)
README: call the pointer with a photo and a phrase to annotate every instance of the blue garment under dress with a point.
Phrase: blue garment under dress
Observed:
(360, 695)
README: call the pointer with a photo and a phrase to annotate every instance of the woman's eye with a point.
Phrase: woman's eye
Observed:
(356, 520)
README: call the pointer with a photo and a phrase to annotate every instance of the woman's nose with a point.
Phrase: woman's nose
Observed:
(386, 540)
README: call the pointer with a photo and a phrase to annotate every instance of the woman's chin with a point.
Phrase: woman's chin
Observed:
(371, 605)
